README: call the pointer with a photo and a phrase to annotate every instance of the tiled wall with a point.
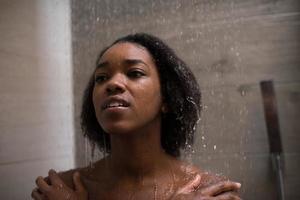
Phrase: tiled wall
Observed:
(36, 112)
(231, 46)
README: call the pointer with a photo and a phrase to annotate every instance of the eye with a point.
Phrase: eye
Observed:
(135, 74)
(100, 78)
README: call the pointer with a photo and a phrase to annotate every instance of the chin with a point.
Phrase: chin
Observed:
(117, 129)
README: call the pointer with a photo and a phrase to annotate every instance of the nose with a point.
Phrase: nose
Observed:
(116, 85)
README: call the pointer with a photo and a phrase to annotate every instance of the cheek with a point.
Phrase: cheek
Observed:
(150, 97)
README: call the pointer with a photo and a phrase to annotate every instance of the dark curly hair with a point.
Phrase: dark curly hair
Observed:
(180, 91)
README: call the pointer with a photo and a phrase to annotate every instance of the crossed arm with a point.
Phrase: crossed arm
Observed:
(54, 188)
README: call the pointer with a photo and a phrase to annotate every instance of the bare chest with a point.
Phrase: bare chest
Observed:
(99, 191)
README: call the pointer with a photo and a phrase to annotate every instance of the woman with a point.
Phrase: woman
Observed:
(141, 106)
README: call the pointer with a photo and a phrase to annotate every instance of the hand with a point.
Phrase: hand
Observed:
(224, 190)
(58, 190)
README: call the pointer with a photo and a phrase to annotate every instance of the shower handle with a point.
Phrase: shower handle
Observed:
(274, 136)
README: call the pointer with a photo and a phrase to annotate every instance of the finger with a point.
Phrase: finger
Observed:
(47, 180)
(55, 179)
(191, 186)
(77, 182)
(36, 195)
(228, 196)
(43, 186)
(223, 186)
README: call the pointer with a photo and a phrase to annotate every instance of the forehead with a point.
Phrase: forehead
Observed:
(126, 50)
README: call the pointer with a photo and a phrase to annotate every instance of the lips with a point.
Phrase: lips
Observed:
(114, 103)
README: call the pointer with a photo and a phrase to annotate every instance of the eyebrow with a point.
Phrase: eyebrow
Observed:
(102, 65)
(134, 61)
(126, 62)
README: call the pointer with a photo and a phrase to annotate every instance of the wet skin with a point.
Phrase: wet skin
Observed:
(188, 185)
(128, 104)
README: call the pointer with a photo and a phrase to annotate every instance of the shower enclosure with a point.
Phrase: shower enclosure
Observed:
(231, 46)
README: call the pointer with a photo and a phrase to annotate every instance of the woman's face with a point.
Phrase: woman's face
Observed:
(126, 94)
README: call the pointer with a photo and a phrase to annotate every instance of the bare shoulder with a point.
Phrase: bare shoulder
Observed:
(89, 175)
(208, 178)
(66, 176)
(205, 178)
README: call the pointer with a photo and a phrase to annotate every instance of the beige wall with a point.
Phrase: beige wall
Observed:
(36, 121)
(231, 45)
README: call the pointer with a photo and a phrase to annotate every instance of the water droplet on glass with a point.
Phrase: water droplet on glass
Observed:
(243, 93)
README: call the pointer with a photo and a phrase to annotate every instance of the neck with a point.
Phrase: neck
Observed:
(137, 154)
